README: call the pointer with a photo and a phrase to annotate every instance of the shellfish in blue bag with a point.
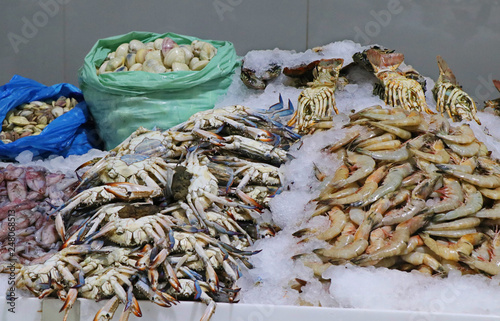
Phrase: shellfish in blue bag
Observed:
(67, 134)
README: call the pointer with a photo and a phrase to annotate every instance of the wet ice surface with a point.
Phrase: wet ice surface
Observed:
(351, 286)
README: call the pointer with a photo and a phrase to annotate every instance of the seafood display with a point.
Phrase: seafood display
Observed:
(27, 196)
(397, 88)
(451, 98)
(167, 215)
(413, 193)
(160, 56)
(186, 213)
(317, 102)
(31, 118)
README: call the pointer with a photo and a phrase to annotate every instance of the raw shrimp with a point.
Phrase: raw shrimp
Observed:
(413, 119)
(453, 234)
(388, 145)
(338, 219)
(474, 202)
(364, 166)
(439, 154)
(378, 238)
(453, 196)
(465, 135)
(419, 258)
(488, 181)
(398, 242)
(412, 208)
(490, 265)
(401, 133)
(371, 184)
(448, 250)
(345, 247)
(349, 136)
(340, 174)
(464, 223)
(391, 183)
(398, 155)
(492, 213)
(467, 150)
(375, 140)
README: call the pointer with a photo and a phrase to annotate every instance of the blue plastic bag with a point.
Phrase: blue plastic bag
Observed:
(66, 135)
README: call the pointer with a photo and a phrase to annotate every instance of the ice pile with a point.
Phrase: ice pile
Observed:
(66, 165)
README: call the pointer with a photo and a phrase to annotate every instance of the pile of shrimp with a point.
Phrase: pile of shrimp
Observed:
(413, 193)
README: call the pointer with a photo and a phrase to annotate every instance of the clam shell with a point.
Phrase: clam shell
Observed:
(136, 67)
(42, 120)
(157, 43)
(167, 45)
(140, 57)
(200, 65)
(193, 62)
(19, 120)
(130, 60)
(159, 69)
(57, 111)
(155, 54)
(122, 50)
(177, 66)
(115, 63)
(103, 67)
(174, 55)
(135, 45)
(207, 51)
(188, 51)
(122, 68)
(150, 64)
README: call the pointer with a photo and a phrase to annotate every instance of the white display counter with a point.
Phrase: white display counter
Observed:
(32, 309)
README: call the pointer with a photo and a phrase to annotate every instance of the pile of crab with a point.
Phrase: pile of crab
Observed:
(413, 193)
(167, 215)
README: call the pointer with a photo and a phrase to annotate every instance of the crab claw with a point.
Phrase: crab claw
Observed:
(158, 259)
(208, 311)
(164, 300)
(153, 277)
(136, 309)
(172, 276)
(213, 138)
(60, 227)
(278, 106)
(129, 191)
(68, 304)
(108, 310)
(247, 199)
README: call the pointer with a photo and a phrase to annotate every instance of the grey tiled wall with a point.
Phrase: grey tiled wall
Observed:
(47, 39)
